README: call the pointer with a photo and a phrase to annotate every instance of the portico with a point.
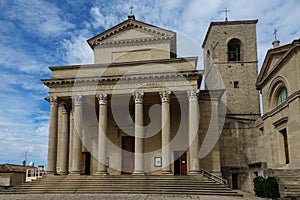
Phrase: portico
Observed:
(77, 109)
(136, 115)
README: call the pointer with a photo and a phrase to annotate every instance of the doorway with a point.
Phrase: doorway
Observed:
(180, 164)
(127, 154)
(286, 146)
(86, 163)
(235, 181)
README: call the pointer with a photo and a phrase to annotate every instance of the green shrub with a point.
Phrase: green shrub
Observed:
(266, 187)
(258, 186)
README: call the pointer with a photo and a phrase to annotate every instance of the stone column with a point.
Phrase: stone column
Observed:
(102, 133)
(139, 134)
(76, 164)
(166, 132)
(65, 139)
(194, 118)
(53, 132)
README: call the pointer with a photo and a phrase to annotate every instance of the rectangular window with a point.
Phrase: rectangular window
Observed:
(236, 84)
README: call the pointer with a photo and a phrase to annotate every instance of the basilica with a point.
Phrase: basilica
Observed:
(140, 108)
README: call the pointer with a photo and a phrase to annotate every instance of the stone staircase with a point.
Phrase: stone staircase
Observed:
(289, 182)
(191, 185)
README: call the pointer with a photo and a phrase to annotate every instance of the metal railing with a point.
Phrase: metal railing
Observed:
(214, 177)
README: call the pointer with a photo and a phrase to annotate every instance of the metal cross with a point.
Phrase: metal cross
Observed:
(275, 33)
(226, 11)
(131, 8)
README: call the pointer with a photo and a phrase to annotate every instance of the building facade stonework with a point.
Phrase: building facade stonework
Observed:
(135, 111)
(139, 108)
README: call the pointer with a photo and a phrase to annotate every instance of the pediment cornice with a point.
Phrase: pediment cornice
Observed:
(267, 69)
(154, 32)
(129, 42)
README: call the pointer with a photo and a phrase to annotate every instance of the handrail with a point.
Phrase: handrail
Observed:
(214, 177)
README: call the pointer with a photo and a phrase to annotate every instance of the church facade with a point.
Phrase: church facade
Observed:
(139, 108)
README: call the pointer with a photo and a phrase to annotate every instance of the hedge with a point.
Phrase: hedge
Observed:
(266, 187)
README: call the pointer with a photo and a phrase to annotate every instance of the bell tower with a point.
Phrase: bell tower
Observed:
(230, 63)
(230, 54)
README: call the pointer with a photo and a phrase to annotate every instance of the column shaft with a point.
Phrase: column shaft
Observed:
(53, 132)
(76, 164)
(139, 135)
(102, 133)
(166, 132)
(65, 140)
(194, 118)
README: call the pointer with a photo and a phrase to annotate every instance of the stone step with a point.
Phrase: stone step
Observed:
(123, 184)
(289, 180)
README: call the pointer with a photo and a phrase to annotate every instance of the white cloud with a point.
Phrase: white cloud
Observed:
(39, 17)
(105, 21)
(76, 49)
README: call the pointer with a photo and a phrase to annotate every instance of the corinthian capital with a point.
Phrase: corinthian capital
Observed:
(53, 100)
(77, 100)
(165, 96)
(192, 95)
(65, 107)
(138, 97)
(102, 98)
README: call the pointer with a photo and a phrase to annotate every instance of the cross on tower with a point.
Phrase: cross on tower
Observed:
(226, 11)
(131, 8)
(275, 33)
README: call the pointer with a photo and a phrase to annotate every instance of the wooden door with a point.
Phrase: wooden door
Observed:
(86, 163)
(180, 164)
(127, 154)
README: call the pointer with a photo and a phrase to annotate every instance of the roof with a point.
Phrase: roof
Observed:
(226, 23)
(268, 69)
(14, 168)
(128, 24)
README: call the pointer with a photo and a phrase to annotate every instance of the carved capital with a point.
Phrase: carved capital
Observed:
(77, 100)
(138, 97)
(65, 107)
(192, 95)
(53, 100)
(165, 96)
(102, 98)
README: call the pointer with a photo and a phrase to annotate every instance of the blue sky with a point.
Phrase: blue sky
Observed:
(35, 34)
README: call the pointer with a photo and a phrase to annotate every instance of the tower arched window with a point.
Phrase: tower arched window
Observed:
(234, 50)
(282, 95)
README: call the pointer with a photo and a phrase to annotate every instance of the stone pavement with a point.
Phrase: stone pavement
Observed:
(121, 197)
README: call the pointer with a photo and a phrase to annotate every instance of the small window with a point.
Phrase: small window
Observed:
(236, 84)
(282, 96)
(234, 50)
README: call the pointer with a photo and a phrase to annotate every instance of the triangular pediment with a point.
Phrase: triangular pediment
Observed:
(273, 60)
(133, 33)
(131, 29)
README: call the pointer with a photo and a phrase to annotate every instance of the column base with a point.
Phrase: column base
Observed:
(64, 173)
(166, 173)
(139, 173)
(76, 173)
(195, 173)
(51, 173)
(101, 173)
